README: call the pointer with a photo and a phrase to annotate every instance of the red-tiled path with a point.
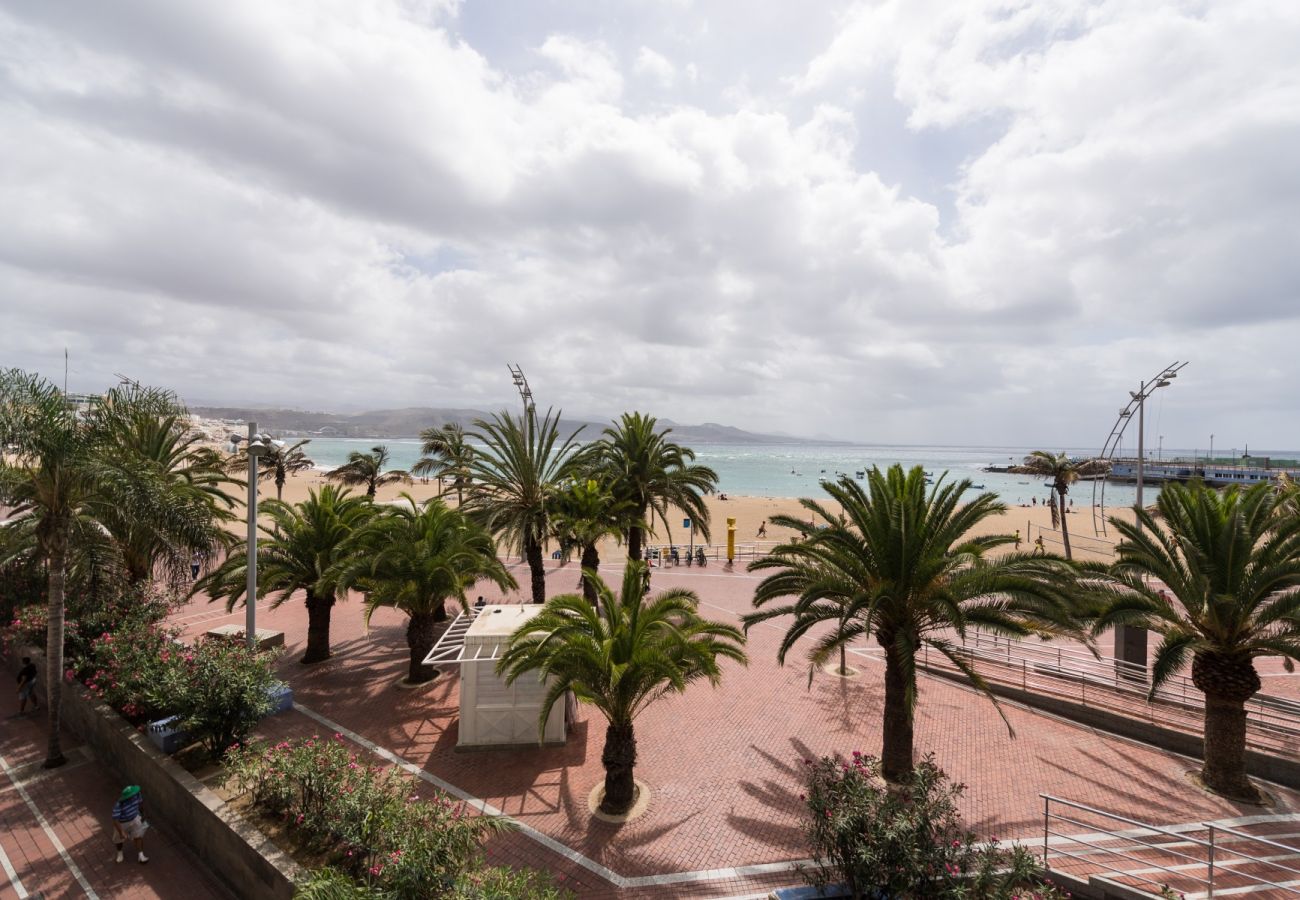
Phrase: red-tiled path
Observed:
(75, 801)
(724, 764)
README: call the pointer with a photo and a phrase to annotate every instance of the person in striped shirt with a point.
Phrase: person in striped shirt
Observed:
(128, 821)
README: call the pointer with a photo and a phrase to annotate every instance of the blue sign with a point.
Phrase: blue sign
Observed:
(686, 523)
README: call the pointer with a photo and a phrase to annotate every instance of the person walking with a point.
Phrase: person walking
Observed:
(196, 563)
(27, 686)
(128, 822)
(1039, 549)
(762, 529)
(1017, 538)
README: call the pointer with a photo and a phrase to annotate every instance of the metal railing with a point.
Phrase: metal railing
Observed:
(1074, 674)
(1165, 857)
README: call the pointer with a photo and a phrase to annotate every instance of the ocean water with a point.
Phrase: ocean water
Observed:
(796, 470)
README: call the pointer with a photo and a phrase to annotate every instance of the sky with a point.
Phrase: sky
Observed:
(922, 221)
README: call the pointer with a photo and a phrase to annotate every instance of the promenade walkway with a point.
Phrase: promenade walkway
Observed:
(724, 765)
(54, 827)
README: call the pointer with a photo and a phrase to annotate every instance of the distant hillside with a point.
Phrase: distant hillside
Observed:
(409, 422)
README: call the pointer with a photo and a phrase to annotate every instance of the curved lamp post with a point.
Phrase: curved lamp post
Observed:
(258, 445)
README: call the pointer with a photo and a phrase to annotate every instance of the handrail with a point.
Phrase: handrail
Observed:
(1219, 856)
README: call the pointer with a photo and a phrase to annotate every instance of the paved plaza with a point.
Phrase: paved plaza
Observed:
(724, 765)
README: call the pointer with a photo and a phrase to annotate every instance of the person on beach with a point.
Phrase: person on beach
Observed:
(27, 686)
(1017, 538)
(762, 529)
(128, 821)
(1039, 549)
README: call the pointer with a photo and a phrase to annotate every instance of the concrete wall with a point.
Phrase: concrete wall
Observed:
(233, 850)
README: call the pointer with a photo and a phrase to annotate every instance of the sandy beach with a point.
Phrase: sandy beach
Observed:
(751, 512)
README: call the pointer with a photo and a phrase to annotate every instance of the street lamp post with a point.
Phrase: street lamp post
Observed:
(1131, 642)
(258, 445)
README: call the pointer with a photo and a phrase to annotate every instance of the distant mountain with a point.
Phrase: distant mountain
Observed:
(409, 422)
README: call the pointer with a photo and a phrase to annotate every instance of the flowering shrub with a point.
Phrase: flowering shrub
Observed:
(126, 663)
(219, 690)
(372, 821)
(908, 841)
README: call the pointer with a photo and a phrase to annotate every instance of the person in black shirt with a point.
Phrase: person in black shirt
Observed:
(27, 686)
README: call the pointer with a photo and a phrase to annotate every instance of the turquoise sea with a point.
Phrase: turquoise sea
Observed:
(795, 470)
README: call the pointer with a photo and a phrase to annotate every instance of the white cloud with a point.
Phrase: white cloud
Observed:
(357, 200)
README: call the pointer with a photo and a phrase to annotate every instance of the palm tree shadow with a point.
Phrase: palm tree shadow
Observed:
(848, 702)
(779, 791)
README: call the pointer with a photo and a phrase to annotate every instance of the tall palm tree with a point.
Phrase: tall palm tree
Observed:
(654, 474)
(446, 452)
(586, 514)
(1231, 561)
(900, 564)
(370, 469)
(305, 547)
(416, 559)
(276, 463)
(620, 658)
(66, 473)
(516, 475)
(147, 427)
(1063, 472)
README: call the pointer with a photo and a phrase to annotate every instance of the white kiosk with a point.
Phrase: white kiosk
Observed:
(493, 714)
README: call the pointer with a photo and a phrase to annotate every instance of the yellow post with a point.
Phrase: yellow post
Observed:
(731, 540)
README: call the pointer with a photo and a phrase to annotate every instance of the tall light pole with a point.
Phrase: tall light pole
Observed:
(258, 445)
(1211, 449)
(1131, 642)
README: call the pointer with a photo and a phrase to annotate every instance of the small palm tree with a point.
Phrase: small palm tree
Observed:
(276, 463)
(517, 475)
(416, 559)
(586, 514)
(654, 474)
(901, 564)
(370, 469)
(1231, 561)
(305, 547)
(1063, 472)
(620, 659)
(446, 452)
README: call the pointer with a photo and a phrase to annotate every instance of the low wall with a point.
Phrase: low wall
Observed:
(233, 850)
(1276, 769)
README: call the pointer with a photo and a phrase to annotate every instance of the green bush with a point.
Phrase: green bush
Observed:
(126, 664)
(374, 826)
(219, 691)
(906, 842)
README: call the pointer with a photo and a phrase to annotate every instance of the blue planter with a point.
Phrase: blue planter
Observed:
(830, 892)
(281, 697)
(166, 736)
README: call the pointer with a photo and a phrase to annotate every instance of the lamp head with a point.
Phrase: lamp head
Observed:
(1162, 383)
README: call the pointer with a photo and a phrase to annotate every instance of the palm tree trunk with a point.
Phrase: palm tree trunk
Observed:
(1065, 528)
(619, 759)
(58, 557)
(1227, 682)
(844, 667)
(634, 539)
(896, 750)
(533, 553)
(590, 560)
(279, 485)
(419, 637)
(318, 628)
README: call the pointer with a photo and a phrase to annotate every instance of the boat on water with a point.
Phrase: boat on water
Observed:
(978, 487)
(859, 474)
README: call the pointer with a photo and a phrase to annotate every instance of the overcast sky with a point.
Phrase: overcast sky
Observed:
(914, 221)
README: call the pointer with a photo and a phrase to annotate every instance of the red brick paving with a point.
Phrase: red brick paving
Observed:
(724, 764)
(76, 800)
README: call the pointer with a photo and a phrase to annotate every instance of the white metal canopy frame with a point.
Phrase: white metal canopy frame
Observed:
(450, 647)
(1136, 403)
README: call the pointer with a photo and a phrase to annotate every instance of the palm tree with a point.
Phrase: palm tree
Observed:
(68, 474)
(1232, 563)
(144, 427)
(516, 476)
(276, 463)
(901, 564)
(654, 474)
(416, 559)
(584, 515)
(620, 658)
(446, 452)
(369, 469)
(1063, 472)
(304, 549)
